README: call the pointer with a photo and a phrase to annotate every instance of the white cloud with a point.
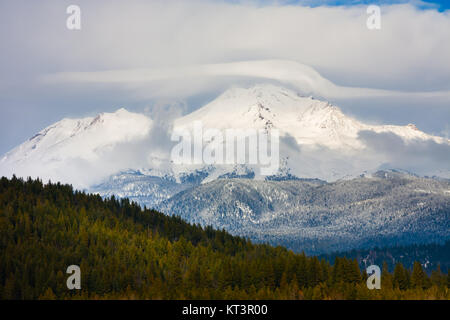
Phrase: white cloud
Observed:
(424, 157)
(170, 38)
(409, 52)
(201, 77)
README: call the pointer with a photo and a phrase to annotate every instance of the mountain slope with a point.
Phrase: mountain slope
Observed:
(317, 139)
(73, 147)
(308, 120)
(81, 137)
(145, 188)
(384, 209)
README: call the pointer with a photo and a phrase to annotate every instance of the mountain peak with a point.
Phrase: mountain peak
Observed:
(257, 106)
(122, 111)
(308, 120)
(412, 126)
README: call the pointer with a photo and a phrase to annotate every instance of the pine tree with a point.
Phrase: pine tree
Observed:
(437, 278)
(314, 272)
(337, 274)
(400, 277)
(418, 276)
(386, 277)
(353, 272)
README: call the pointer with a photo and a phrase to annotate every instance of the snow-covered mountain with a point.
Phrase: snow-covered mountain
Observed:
(317, 141)
(308, 120)
(83, 138)
(383, 209)
(317, 200)
(147, 188)
(71, 148)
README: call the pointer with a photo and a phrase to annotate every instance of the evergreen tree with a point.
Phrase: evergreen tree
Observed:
(400, 277)
(386, 277)
(418, 276)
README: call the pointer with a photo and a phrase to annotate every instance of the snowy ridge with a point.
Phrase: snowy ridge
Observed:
(383, 209)
(308, 120)
(70, 144)
(81, 137)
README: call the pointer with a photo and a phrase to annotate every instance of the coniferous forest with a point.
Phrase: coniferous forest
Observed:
(125, 252)
(431, 256)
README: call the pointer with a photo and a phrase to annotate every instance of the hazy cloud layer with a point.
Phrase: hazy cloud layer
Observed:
(193, 48)
(303, 78)
(418, 156)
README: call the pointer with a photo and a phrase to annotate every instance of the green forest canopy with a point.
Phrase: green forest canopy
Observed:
(126, 252)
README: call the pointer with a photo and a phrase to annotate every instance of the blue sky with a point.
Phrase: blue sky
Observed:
(440, 5)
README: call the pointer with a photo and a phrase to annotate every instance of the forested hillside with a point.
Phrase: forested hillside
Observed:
(382, 209)
(126, 252)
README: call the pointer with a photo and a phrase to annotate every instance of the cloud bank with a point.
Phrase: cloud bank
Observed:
(303, 78)
(418, 156)
(201, 47)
